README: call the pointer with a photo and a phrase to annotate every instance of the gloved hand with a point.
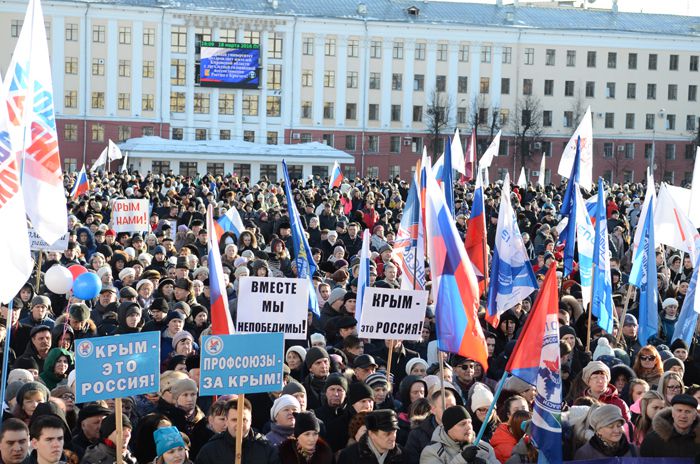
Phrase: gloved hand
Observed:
(469, 455)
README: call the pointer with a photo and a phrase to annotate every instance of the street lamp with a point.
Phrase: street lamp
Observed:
(660, 114)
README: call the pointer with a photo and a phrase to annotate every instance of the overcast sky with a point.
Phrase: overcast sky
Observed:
(681, 7)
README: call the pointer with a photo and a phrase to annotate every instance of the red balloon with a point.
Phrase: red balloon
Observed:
(76, 270)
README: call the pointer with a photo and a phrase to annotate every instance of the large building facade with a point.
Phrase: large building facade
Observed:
(370, 79)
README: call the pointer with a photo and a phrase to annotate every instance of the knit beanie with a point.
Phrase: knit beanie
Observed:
(183, 334)
(453, 416)
(314, 354)
(603, 349)
(300, 350)
(19, 375)
(282, 402)
(359, 391)
(167, 438)
(481, 397)
(671, 362)
(182, 386)
(304, 422)
(317, 338)
(109, 425)
(591, 367)
(293, 387)
(336, 379)
(337, 294)
(516, 384)
(605, 415)
(678, 343)
(413, 361)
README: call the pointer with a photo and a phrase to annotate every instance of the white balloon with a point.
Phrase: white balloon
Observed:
(58, 279)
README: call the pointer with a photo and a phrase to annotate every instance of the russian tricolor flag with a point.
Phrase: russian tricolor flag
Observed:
(81, 184)
(229, 222)
(221, 322)
(475, 240)
(336, 176)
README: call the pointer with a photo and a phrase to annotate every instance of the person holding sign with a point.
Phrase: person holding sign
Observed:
(222, 447)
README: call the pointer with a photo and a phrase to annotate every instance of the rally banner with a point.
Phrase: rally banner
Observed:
(272, 304)
(36, 243)
(117, 366)
(393, 314)
(241, 363)
(130, 215)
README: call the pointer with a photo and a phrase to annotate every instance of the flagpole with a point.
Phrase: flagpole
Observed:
(6, 354)
(239, 428)
(624, 312)
(38, 271)
(441, 363)
(388, 361)
(491, 408)
(590, 313)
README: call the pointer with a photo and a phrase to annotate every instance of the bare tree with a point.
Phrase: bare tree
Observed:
(437, 117)
(578, 109)
(496, 123)
(526, 123)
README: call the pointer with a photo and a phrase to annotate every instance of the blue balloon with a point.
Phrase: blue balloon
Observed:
(87, 286)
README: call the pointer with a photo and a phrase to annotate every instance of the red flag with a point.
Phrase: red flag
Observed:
(470, 159)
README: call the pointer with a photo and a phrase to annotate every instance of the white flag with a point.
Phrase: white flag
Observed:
(540, 180)
(694, 207)
(490, 152)
(458, 162)
(522, 180)
(14, 243)
(672, 226)
(585, 130)
(32, 126)
(109, 154)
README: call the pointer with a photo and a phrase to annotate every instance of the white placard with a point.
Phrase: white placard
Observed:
(271, 304)
(393, 314)
(130, 215)
(38, 243)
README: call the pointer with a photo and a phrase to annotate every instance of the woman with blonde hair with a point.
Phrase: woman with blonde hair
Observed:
(648, 365)
(651, 403)
(670, 385)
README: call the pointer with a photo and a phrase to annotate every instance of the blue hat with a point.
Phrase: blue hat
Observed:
(167, 438)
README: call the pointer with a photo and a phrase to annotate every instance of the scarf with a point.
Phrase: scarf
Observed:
(619, 449)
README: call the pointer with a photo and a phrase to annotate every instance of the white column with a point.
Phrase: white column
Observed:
(111, 68)
(58, 59)
(306, 171)
(475, 57)
(201, 166)
(291, 72)
(162, 62)
(189, 87)
(385, 102)
(431, 60)
(341, 75)
(84, 61)
(254, 172)
(409, 52)
(214, 100)
(136, 67)
(262, 107)
(496, 74)
(452, 73)
(238, 99)
(363, 86)
(317, 111)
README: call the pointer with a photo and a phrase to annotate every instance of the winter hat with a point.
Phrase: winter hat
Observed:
(240, 261)
(594, 366)
(282, 402)
(92, 410)
(337, 294)
(127, 272)
(19, 375)
(678, 343)
(79, 312)
(413, 361)
(141, 283)
(669, 302)
(31, 387)
(167, 438)
(630, 320)
(169, 378)
(602, 349)
(671, 362)
(665, 354)
(481, 397)
(453, 416)
(41, 300)
(359, 391)
(183, 334)
(515, 384)
(305, 422)
(182, 386)
(27, 363)
(376, 380)
(605, 415)
(109, 425)
(314, 354)
(293, 387)
(300, 350)
(174, 315)
(317, 338)
(12, 389)
(336, 379)
(683, 398)
(622, 369)
(382, 419)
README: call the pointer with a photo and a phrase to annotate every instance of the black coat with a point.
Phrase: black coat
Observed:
(360, 453)
(664, 441)
(222, 448)
(290, 455)
(419, 438)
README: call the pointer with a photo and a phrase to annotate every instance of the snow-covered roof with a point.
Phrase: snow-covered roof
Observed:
(157, 147)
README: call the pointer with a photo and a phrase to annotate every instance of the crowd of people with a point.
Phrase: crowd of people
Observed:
(623, 397)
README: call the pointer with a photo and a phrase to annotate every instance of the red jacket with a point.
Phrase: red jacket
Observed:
(503, 442)
(610, 396)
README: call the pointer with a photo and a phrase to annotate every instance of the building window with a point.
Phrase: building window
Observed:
(441, 52)
(149, 69)
(307, 78)
(484, 85)
(307, 46)
(692, 92)
(269, 171)
(547, 118)
(249, 136)
(224, 134)
(373, 143)
(670, 151)
(690, 122)
(417, 113)
(693, 63)
(97, 133)
(549, 57)
(396, 113)
(215, 169)
(525, 117)
(123, 133)
(548, 87)
(629, 150)
(631, 90)
(649, 124)
(568, 119)
(178, 39)
(651, 91)
(149, 36)
(98, 100)
(373, 113)
(71, 65)
(274, 76)
(188, 168)
(612, 60)
(527, 87)
(147, 131)
(70, 132)
(632, 61)
(418, 82)
(274, 45)
(648, 148)
(328, 110)
(609, 120)
(71, 32)
(673, 63)
(70, 99)
(590, 89)
(177, 71)
(397, 51)
(463, 53)
(15, 27)
(505, 86)
(98, 34)
(124, 101)
(375, 81)
(483, 116)
(653, 61)
(610, 90)
(329, 79)
(98, 66)
(608, 150)
(125, 35)
(306, 137)
(274, 106)
(177, 102)
(396, 81)
(462, 84)
(420, 51)
(306, 109)
(243, 170)
(416, 144)
(372, 172)
(272, 137)
(350, 142)
(568, 88)
(201, 103)
(529, 56)
(395, 144)
(571, 58)
(629, 121)
(670, 122)
(251, 37)
(124, 68)
(689, 151)
(250, 105)
(352, 79)
(178, 133)
(461, 115)
(672, 91)
(485, 54)
(591, 59)
(353, 48)
(375, 49)
(506, 55)
(329, 47)
(440, 83)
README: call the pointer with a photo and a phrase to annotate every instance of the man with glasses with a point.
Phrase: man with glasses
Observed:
(675, 430)
(467, 372)
(596, 376)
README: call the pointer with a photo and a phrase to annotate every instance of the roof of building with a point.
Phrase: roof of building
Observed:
(440, 12)
(143, 146)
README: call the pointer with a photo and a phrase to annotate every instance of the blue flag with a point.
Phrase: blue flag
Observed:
(602, 303)
(568, 202)
(688, 318)
(447, 181)
(568, 210)
(306, 267)
(363, 275)
(643, 275)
